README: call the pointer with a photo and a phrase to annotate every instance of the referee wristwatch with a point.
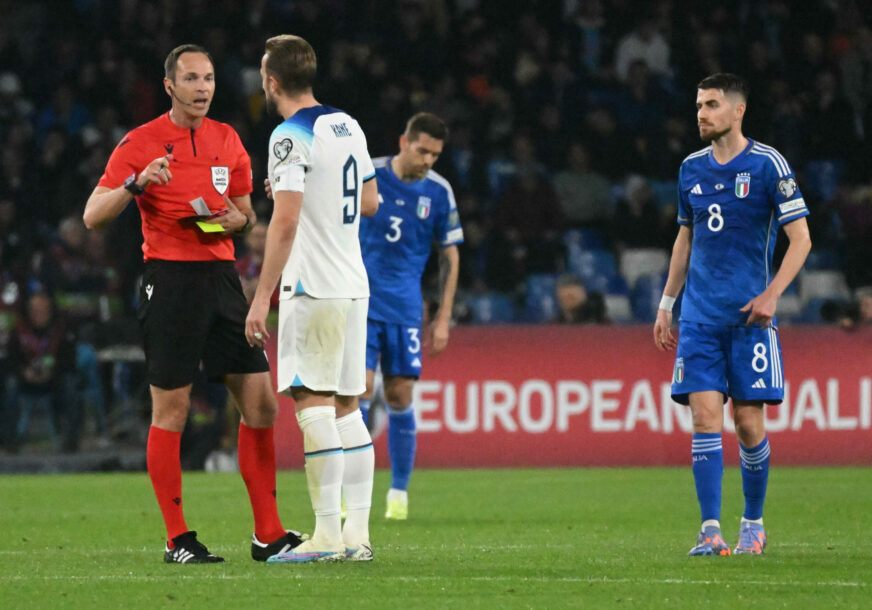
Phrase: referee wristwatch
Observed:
(131, 185)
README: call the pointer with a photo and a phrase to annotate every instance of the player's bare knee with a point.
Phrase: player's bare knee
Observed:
(398, 393)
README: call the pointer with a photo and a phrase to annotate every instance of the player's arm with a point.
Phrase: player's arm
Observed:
(762, 307)
(369, 198)
(663, 337)
(449, 271)
(105, 204)
(279, 240)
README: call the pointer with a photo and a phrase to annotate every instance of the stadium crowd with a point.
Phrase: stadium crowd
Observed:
(568, 122)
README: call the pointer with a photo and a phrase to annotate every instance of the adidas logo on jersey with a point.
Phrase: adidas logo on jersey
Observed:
(416, 362)
(696, 190)
(759, 384)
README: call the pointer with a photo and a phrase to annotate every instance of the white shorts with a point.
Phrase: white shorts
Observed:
(322, 345)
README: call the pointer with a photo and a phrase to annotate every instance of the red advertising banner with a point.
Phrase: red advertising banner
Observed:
(599, 396)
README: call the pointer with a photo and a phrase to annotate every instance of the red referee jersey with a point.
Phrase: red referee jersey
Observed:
(208, 162)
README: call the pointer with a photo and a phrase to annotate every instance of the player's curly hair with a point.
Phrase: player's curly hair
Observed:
(726, 82)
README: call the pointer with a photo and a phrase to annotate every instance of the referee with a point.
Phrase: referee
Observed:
(192, 308)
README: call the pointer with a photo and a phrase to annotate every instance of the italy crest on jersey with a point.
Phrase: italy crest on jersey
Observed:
(743, 185)
(423, 207)
(678, 375)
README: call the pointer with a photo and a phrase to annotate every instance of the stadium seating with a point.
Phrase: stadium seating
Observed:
(491, 308)
(822, 178)
(585, 239)
(823, 284)
(646, 295)
(618, 308)
(811, 311)
(539, 302)
(589, 263)
(819, 260)
(789, 308)
(639, 262)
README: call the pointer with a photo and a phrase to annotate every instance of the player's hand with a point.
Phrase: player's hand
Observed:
(233, 220)
(268, 188)
(255, 324)
(439, 331)
(663, 337)
(761, 309)
(156, 172)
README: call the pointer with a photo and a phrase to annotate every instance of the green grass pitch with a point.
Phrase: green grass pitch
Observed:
(557, 538)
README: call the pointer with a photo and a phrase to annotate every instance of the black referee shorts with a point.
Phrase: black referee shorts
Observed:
(191, 312)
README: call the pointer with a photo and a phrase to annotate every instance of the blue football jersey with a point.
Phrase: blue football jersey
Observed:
(396, 242)
(734, 211)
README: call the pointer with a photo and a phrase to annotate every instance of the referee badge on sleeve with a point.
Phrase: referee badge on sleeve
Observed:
(220, 178)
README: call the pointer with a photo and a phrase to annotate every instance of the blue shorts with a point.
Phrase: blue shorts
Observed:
(743, 362)
(397, 346)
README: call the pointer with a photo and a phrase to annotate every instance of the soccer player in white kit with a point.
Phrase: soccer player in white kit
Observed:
(322, 179)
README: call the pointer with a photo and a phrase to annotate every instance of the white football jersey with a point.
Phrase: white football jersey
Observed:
(321, 152)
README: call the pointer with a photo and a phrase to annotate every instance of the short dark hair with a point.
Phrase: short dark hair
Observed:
(726, 82)
(291, 60)
(569, 279)
(425, 122)
(173, 58)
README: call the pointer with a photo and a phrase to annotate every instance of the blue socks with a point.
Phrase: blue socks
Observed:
(364, 410)
(402, 441)
(708, 472)
(755, 475)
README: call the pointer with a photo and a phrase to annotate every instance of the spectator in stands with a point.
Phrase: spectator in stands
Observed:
(42, 362)
(575, 304)
(831, 132)
(528, 222)
(858, 313)
(10, 292)
(637, 223)
(616, 151)
(645, 42)
(583, 192)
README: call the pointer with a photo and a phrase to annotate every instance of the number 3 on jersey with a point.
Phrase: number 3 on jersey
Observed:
(396, 232)
(349, 191)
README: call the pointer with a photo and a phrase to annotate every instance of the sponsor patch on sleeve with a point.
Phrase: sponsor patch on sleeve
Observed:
(454, 235)
(789, 206)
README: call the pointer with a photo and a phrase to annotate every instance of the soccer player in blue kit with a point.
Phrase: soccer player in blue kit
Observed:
(733, 196)
(417, 205)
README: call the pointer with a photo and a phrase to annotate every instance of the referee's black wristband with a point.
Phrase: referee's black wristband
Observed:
(133, 188)
(247, 226)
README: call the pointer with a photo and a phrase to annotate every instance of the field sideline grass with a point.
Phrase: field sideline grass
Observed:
(476, 539)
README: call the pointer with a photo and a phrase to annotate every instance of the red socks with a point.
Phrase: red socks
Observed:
(165, 471)
(257, 464)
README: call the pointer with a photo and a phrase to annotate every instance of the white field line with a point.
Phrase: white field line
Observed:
(284, 575)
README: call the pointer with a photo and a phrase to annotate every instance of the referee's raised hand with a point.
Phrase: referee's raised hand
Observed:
(156, 172)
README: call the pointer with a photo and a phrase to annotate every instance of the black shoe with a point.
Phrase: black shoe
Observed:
(189, 550)
(261, 551)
